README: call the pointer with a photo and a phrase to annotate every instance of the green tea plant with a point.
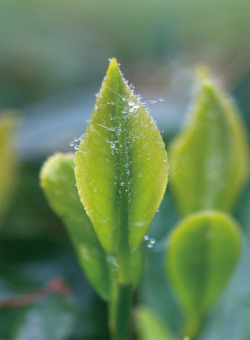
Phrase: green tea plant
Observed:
(108, 193)
(204, 247)
(121, 172)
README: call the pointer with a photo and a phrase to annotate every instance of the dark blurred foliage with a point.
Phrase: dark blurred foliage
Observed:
(53, 56)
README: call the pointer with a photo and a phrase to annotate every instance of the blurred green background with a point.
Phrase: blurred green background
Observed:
(53, 57)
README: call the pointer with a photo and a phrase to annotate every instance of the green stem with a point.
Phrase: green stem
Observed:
(119, 312)
(193, 327)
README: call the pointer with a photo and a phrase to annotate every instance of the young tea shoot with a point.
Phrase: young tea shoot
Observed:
(121, 172)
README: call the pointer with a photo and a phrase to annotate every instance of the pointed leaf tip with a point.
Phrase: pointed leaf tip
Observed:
(113, 62)
(202, 72)
(113, 67)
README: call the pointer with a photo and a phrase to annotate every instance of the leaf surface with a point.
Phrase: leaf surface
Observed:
(121, 166)
(203, 251)
(209, 159)
(58, 183)
(150, 326)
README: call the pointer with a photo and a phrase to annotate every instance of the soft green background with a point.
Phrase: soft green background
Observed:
(53, 57)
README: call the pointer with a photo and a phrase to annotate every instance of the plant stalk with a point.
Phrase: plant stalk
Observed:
(120, 312)
(192, 327)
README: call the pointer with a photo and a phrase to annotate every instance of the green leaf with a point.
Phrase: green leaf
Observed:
(121, 166)
(203, 251)
(58, 183)
(51, 318)
(8, 160)
(150, 326)
(209, 159)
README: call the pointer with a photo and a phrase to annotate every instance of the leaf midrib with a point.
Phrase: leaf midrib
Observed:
(123, 171)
